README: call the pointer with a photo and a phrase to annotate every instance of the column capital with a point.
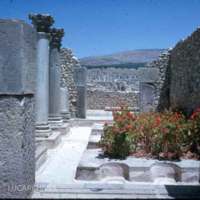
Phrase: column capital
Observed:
(56, 37)
(42, 22)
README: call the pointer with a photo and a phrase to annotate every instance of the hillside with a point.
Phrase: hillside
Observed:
(122, 58)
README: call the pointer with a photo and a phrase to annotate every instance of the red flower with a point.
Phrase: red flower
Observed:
(131, 116)
(195, 113)
(128, 127)
(158, 120)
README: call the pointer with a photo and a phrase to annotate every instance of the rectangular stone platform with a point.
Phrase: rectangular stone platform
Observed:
(88, 122)
(93, 166)
(51, 141)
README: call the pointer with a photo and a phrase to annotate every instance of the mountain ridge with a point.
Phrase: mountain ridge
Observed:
(123, 57)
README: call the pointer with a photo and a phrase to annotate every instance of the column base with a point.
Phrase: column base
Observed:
(55, 121)
(65, 116)
(43, 130)
(50, 142)
(57, 124)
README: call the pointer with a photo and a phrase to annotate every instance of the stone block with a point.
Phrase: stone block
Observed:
(17, 146)
(17, 108)
(147, 97)
(17, 57)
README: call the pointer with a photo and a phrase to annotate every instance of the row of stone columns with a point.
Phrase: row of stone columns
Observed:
(48, 91)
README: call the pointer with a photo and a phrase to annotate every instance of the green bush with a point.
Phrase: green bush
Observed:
(167, 135)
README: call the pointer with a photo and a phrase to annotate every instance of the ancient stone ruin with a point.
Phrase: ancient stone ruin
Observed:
(110, 87)
(49, 144)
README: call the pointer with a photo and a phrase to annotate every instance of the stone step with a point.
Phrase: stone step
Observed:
(52, 141)
(63, 129)
(93, 141)
(40, 155)
(94, 190)
(97, 129)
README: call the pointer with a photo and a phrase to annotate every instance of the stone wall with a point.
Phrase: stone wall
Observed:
(97, 99)
(181, 88)
(68, 64)
(108, 86)
(120, 79)
(160, 85)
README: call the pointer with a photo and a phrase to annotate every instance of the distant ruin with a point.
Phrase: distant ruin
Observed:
(119, 84)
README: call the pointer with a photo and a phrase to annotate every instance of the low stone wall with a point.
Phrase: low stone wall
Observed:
(99, 99)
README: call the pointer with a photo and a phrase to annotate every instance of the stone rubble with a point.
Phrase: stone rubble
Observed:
(68, 64)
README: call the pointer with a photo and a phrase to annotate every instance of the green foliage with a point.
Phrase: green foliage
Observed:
(167, 135)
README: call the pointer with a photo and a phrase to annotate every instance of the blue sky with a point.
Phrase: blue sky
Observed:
(99, 27)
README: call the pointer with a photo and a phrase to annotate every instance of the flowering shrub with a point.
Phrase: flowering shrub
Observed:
(116, 141)
(167, 135)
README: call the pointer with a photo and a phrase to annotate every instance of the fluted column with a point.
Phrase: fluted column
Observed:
(55, 118)
(42, 24)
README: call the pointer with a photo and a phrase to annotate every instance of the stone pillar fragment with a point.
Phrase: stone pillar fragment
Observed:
(147, 97)
(80, 74)
(64, 105)
(42, 24)
(17, 108)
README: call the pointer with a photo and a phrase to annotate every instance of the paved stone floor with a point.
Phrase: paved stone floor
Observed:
(62, 161)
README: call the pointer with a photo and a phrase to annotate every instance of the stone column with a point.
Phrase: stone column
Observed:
(55, 118)
(17, 108)
(54, 77)
(80, 74)
(42, 24)
(64, 105)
